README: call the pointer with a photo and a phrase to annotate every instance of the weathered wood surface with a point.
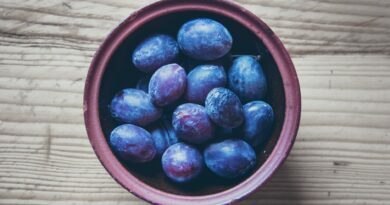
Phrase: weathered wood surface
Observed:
(341, 49)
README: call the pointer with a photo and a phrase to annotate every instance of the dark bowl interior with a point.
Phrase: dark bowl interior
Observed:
(120, 73)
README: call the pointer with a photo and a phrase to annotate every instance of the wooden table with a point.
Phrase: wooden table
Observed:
(341, 49)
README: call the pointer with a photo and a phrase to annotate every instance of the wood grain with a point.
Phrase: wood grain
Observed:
(341, 50)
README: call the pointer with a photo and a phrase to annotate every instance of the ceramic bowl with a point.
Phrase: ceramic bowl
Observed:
(111, 70)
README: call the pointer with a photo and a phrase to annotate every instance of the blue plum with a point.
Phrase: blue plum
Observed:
(246, 78)
(163, 136)
(259, 119)
(230, 158)
(132, 143)
(202, 79)
(154, 52)
(134, 106)
(191, 123)
(182, 162)
(224, 108)
(167, 84)
(204, 39)
(143, 84)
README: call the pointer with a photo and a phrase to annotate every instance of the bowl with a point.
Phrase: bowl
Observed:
(111, 70)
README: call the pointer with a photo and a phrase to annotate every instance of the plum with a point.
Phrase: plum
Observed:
(259, 119)
(182, 162)
(154, 52)
(202, 79)
(167, 84)
(204, 39)
(134, 106)
(231, 158)
(224, 108)
(191, 123)
(163, 136)
(132, 143)
(246, 78)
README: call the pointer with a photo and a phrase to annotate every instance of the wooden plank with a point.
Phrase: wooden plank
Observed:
(305, 27)
(341, 52)
(340, 155)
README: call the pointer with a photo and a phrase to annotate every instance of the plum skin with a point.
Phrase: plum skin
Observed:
(132, 143)
(167, 84)
(192, 124)
(163, 136)
(202, 79)
(135, 107)
(259, 120)
(204, 39)
(182, 162)
(231, 158)
(247, 79)
(224, 108)
(154, 52)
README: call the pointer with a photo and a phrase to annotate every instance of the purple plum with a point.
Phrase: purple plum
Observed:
(163, 136)
(247, 79)
(259, 119)
(224, 108)
(230, 158)
(134, 106)
(182, 162)
(191, 123)
(204, 39)
(167, 84)
(202, 79)
(154, 52)
(132, 143)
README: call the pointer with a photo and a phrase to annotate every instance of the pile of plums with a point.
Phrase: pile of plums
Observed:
(192, 121)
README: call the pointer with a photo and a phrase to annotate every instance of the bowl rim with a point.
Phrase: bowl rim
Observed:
(221, 7)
